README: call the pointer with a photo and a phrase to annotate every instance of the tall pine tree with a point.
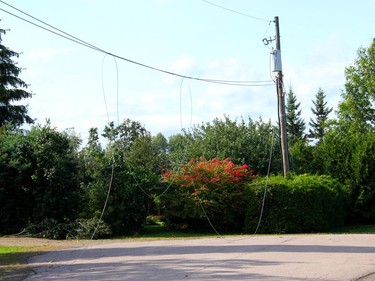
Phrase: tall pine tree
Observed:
(295, 125)
(321, 112)
(12, 90)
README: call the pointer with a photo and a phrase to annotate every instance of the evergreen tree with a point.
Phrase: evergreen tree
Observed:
(12, 89)
(295, 125)
(321, 112)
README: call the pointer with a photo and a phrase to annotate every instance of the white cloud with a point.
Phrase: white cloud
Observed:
(183, 66)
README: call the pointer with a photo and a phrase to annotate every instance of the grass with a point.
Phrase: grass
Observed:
(356, 229)
(13, 262)
(160, 231)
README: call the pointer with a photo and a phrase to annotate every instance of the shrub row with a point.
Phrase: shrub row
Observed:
(300, 204)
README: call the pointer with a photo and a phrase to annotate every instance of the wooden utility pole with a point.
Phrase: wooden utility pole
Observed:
(281, 102)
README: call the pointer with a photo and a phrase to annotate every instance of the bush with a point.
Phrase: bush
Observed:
(39, 178)
(303, 203)
(206, 190)
(48, 228)
(89, 228)
(80, 229)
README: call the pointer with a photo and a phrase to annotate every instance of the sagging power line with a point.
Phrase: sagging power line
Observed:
(56, 31)
(236, 12)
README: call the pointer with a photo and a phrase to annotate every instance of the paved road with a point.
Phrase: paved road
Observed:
(284, 257)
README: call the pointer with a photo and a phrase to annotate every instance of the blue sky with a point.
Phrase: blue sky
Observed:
(194, 38)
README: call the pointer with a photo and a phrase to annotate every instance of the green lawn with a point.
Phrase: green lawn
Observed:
(356, 229)
(13, 262)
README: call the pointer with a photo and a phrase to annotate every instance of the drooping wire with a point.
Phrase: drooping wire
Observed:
(206, 216)
(264, 194)
(266, 185)
(65, 35)
(191, 106)
(103, 91)
(88, 45)
(112, 139)
(182, 156)
(234, 11)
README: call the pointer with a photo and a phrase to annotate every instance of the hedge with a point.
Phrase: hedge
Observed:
(299, 204)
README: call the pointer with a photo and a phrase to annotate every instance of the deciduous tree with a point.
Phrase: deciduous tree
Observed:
(348, 148)
(207, 190)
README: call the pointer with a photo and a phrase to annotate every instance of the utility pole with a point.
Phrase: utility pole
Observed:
(281, 101)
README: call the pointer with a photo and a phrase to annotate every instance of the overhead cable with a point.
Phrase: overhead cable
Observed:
(236, 12)
(72, 38)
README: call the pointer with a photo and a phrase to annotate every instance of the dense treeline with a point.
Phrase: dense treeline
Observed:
(213, 174)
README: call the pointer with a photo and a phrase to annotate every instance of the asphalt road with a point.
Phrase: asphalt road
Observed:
(283, 257)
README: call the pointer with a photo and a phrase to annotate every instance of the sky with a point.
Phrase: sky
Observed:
(77, 88)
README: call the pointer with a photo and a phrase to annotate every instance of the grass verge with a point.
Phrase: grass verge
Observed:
(356, 229)
(13, 262)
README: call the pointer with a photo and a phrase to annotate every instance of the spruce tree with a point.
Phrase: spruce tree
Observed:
(12, 90)
(295, 125)
(321, 112)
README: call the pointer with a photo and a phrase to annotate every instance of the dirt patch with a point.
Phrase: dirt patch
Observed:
(38, 242)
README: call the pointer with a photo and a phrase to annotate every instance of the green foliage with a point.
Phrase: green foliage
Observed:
(125, 210)
(295, 125)
(206, 189)
(302, 158)
(78, 229)
(299, 204)
(55, 174)
(146, 154)
(357, 107)
(160, 142)
(321, 112)
(242, 142)
(348, 148)
(16, 185)
(89, 228)
(12, 89)
(129, 169)
(350, 157)
(38, 178)
(48, 228)
(178, 146)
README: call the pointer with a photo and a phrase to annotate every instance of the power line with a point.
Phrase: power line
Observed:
(68, 37)
(65, 35)
(236, 12)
